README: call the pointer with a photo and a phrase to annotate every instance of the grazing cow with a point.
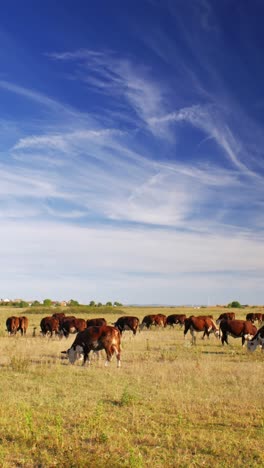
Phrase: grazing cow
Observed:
(237, 329)
(254, 317)
(205, 316)
(49, 325)
(200, 324)
(95, 339)
(257, 340)
(96, 322)
(159, 320)
(59, 315)
(72, 325)
(175, 319)
(148, 321)
(23, 325)
(226, 316)
(12, 325)
(127, 323)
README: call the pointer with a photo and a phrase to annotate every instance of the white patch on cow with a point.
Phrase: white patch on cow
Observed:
(95, 344)
(248, 336)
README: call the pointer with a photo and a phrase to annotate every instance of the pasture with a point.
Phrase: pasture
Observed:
(170, 404)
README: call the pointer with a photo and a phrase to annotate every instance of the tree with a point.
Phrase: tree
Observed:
(73, 302)
(117, 304)
(235, 305)
(109, 304)
(92, 303)
(36, 303)
(99, 304)
(47, 302)
(23, 304)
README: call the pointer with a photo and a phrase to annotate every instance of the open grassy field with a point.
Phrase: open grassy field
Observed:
(170, 404)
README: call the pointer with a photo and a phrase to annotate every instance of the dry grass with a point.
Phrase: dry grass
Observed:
(171, 404)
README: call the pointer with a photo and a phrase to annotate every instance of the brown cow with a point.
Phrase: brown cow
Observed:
(23, 325)
(96, 322)
(59, 315)
(12, 325)
(95, 339)
(72, 325)
(237, 329)
(49, 325)
(257, 340)
(200, 324)
(161, 320)
(175, 319)
(127, 323)
(148, 321)
(153, 319)
(226, 316)
(254, 317)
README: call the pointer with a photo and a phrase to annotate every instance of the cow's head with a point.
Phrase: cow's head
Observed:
(74, 353)
(252, 344)
(258, 341)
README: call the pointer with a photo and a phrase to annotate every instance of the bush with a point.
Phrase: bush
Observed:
(235, 305)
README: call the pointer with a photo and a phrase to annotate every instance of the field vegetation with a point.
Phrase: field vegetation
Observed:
(170, 404)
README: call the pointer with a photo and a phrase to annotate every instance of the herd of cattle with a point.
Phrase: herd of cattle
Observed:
(95, 334)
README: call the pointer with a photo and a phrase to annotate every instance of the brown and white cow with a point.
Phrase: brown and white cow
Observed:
(200, 324)
(72, 325)
(127, 323)
(49, 325)
(237, 329)
(23, 325)
(96, 339)
(12, 325)
(226, 316)
(95, 322)
(175, 319)
(257, 340)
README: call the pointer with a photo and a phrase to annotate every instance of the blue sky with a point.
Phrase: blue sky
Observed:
(131, 151)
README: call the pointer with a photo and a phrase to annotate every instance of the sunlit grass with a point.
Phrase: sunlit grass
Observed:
(170, 404)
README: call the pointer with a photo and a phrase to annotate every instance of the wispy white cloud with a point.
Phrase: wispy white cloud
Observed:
(106, 72)
(208, 120)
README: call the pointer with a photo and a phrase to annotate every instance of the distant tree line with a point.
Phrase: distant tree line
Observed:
(50, 302)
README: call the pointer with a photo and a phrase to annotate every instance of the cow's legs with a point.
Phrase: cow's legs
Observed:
(224, 338)
(193, 336)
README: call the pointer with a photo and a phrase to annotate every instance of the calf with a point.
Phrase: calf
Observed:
(12, 325)
(237, 329)
(200, 324)
(257, 340)
(95, 339)
(175, 319)
(127, 323)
